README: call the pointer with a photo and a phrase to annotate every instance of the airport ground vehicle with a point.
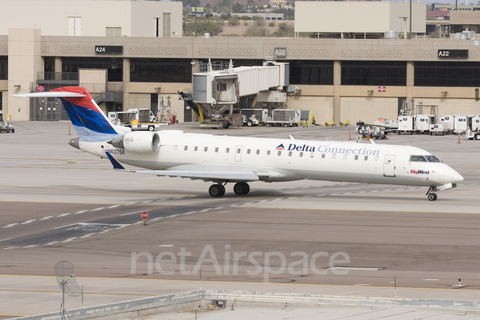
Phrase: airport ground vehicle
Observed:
(470, 134)
(439, 129)
(254, 117)
(284, 118)
(5, 126)
(137, 119)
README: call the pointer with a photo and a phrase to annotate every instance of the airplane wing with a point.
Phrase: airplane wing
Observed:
(191, 174)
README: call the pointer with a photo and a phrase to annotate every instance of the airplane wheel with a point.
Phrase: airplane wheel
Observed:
(216, 190)
(241, 188)
(432, 197)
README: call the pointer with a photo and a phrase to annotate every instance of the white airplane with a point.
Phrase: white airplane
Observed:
(239, 160)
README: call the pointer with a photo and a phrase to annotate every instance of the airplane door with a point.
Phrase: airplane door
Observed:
(389, 166)
(238, 153)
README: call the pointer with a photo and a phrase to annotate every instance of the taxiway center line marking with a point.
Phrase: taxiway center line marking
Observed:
(46, 218)
(127, 214)
(5, 239)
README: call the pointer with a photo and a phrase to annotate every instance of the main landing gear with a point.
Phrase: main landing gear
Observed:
(431, 196)
(218, 190)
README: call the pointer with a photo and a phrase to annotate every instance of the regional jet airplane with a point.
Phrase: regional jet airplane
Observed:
(239, 160)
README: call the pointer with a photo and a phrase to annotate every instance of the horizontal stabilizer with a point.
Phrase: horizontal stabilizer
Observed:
(115, 163)
(51, 94)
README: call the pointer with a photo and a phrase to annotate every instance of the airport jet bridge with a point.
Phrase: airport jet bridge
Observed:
(229, 85)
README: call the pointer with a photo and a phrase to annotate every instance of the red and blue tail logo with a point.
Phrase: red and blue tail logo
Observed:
(85, 113)
(280, 147)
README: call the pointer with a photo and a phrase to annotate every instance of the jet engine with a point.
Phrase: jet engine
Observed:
(138, 142)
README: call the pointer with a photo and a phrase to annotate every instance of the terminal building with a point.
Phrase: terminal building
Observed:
(133, 54)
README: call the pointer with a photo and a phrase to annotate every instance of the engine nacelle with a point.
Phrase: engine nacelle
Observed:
(140, 142)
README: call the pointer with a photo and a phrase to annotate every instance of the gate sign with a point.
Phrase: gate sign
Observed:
(40, 88)
(108, 49)
(144, 215)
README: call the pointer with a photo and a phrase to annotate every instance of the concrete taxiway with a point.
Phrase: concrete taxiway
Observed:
(58, 203)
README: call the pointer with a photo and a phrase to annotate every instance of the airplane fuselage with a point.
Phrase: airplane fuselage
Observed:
(286, 160)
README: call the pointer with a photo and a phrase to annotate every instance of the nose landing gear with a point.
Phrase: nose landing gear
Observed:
(431, 196)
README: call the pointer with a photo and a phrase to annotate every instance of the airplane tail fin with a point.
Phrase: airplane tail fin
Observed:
(87, 118)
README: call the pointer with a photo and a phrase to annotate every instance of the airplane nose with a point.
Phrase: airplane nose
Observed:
(456, 177)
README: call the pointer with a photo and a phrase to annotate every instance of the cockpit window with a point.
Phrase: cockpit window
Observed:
(432, 159)
(429, 158)
(418, 159)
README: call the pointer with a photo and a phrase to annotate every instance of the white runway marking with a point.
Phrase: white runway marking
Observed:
(5, 239)
(46, 218)
(29, 221)
(63, 215)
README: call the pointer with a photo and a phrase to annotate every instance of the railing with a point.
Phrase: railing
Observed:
(57, 76)
(103, 87)
(216, 66)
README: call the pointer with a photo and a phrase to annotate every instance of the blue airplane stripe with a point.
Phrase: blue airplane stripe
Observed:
(88, 118)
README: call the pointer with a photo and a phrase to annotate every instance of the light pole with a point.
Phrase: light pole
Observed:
(266, 24)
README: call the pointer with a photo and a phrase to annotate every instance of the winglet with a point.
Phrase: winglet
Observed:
(115, 163)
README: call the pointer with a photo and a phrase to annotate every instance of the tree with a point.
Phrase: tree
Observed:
(284, 30)
(234, 21)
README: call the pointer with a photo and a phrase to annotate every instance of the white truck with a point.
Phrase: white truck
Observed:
(423, 122)
(136, 119)
(449, 120)
(406, 124)
(284, 117)
(460, 124)
(473, 122)
(439, 129)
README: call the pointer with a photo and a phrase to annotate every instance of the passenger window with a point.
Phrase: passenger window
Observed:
(268, 152)
(258, 151)
(301, 154)
(290, 154)
(239, 150)
(418, 159)
(185, 148)
(312, 155)
(376, 158)
(216, 149)
(279, 153)
(175, 147)
(195, 149)
(334, 156)
(228, 150)
(248, 151)
(366, 158)
(345, 156)
(205, 149)
(323, 155)
(356, 157)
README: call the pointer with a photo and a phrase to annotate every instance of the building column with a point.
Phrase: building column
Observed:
(410, 79)
(126, 83)
(337, 82)
(24, 62)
